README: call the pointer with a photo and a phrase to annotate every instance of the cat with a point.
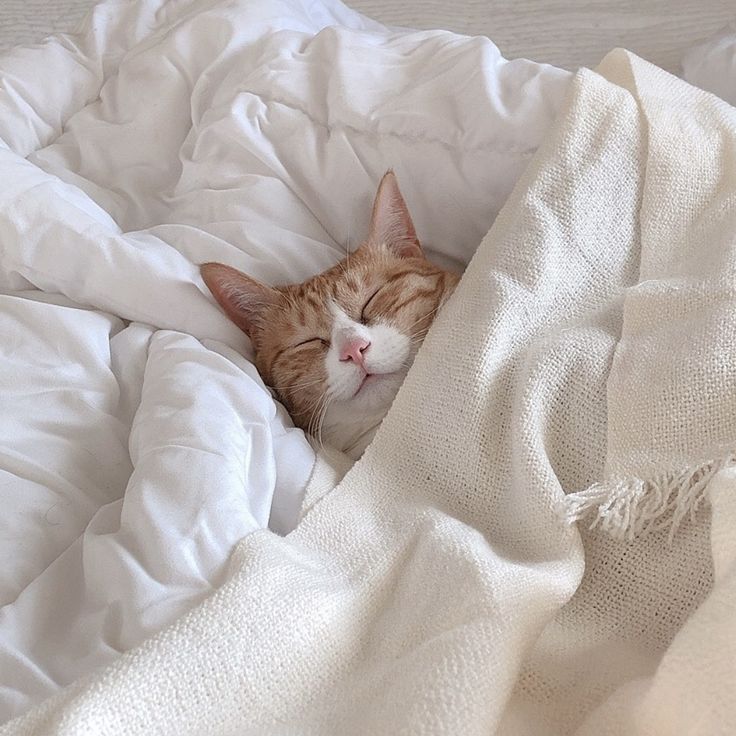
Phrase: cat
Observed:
(335, 349)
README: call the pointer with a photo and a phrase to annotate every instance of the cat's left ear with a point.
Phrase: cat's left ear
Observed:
(243, 298)
(391, 223)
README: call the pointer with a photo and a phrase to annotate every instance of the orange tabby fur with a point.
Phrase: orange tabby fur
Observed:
(386, 281)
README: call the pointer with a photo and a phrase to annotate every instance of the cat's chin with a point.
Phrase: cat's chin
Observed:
(375, 393)
(349, 424)
(374, 388)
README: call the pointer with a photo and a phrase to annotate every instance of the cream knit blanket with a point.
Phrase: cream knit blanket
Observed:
(441, 588)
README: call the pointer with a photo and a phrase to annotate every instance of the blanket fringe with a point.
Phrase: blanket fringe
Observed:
(627, 508)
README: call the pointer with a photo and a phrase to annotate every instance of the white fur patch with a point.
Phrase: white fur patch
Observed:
(357, 403)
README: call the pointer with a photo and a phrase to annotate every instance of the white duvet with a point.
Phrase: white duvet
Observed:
(137, 444)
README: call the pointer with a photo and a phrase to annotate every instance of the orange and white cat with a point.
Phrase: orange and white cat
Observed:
(336, 348)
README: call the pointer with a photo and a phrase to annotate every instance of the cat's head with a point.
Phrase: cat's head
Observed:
(337, 347)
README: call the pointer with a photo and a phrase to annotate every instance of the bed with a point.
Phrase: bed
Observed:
(179, 557)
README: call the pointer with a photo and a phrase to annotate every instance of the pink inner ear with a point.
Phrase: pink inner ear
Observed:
(242, 298)
(391, 223)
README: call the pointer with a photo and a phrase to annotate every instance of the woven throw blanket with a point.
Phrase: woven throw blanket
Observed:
(582, 371)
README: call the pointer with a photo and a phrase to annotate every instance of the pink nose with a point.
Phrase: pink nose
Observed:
(353, 349)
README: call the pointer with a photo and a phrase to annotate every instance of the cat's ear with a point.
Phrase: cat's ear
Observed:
(244, 299)
(391, 223)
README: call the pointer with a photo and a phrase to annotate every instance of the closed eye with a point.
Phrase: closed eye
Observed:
(310, 340)
(370, 299)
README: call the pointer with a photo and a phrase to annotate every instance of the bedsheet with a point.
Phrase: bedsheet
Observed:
(565, 34)
(138, 443)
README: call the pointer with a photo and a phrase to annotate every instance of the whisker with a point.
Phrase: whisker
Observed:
(428, 315)
(322, 416)
(293, 386)
(347, 249)
(315, 407)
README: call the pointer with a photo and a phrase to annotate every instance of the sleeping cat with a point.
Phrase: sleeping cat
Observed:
(336, 348)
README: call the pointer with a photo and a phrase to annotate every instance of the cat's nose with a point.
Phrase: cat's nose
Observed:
(353, 349)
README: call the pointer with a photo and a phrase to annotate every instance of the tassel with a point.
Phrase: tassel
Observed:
(627, 508)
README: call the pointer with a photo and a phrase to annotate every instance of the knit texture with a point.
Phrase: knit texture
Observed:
(440, 588)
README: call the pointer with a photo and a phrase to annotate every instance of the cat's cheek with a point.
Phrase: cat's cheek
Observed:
(390, 350)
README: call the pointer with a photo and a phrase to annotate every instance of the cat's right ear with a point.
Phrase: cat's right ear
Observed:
(244, 299)
(391, 223)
